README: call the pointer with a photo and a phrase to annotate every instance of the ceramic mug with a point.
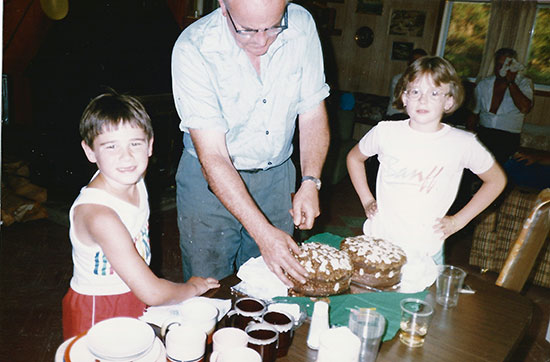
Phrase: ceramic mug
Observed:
(199, 314)
(245, 311)
(184, 343)
(283, 322)
(229, 338)
(239, 354)
(264, 339)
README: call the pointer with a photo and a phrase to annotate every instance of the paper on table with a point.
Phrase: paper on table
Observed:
(158, 314)
(385, 303)
(258, 281)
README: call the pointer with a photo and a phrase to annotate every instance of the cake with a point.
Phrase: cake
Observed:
(376, 263)
(329, 270)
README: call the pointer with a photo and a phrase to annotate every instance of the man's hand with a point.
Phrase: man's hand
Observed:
(275, 246)
(305, 206)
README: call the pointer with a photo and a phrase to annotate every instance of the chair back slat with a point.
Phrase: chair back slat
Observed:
(524, 251)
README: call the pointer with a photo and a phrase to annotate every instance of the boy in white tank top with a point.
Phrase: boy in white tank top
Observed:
(109, 222)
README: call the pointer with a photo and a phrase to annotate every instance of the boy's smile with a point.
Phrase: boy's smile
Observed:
(121, 154)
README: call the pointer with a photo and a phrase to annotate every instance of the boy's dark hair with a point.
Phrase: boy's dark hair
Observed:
(442, 72)
(109, 110)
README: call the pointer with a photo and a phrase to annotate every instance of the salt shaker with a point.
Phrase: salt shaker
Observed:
(319, 323)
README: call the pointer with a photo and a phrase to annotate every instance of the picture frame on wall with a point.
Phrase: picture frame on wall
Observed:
(325, 16)
(407, 22)
(370, 7)
(400, 50)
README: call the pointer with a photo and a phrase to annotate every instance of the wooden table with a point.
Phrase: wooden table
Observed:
(485, 326)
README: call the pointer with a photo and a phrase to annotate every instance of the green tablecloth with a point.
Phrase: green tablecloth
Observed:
(386, 303)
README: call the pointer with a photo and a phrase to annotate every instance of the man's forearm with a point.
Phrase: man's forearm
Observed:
(520, 100)
(314, 141)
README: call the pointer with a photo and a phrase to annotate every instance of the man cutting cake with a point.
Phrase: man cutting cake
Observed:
(241, 76)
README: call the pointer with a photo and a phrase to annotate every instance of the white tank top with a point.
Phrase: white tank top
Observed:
(92, 272)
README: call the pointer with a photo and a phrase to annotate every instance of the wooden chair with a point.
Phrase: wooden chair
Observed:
(524, 251)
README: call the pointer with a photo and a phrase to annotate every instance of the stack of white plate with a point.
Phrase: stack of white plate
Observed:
(118, 339)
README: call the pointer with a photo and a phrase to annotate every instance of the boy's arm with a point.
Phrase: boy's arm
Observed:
(358, 175)
(494, 181)
(101, 225)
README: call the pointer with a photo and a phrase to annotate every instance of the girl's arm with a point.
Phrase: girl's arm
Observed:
(494, 181)
(101, 225)
(358, 175)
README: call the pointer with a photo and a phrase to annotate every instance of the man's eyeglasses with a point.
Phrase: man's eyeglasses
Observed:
(270, 32)
(432, 94)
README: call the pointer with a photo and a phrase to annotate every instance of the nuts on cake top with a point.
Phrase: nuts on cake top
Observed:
(372, 251)
(324, 261)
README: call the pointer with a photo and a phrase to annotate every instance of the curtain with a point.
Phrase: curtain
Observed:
(510, 25)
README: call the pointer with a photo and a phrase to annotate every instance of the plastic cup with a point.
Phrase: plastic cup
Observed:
(449, 282)
(369, 326)
(415, 318)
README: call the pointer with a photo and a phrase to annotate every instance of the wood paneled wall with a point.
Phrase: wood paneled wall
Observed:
(370, 69)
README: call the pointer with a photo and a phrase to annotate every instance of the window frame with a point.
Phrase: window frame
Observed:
(540, 89)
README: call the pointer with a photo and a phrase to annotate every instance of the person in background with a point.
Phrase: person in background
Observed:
(241, 76)
(109, 222)
(529, 167)
(502, 101)
(421, 164)
(392, 112)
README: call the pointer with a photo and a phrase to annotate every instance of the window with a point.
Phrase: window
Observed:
(463, 35)
(466, 31)
(538, 64)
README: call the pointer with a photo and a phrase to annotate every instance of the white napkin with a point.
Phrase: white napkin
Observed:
(158, 314)
(512, 65)
(258, 281)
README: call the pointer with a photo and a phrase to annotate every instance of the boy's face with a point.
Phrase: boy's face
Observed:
(121, 154)
(426, 103)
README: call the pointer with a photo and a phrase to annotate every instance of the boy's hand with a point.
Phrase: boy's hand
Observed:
(202, 285)
(371, 208)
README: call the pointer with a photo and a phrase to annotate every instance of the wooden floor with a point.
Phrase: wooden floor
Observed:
(36, 266)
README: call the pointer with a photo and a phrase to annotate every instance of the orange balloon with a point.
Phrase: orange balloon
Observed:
(55, 9)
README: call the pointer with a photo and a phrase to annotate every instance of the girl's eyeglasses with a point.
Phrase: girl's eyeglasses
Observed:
(432, 94)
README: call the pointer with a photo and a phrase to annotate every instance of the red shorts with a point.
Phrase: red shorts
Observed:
(81, 312)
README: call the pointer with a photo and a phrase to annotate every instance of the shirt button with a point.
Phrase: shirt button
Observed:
(266, 132)
(270, 163)
(264, 100)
